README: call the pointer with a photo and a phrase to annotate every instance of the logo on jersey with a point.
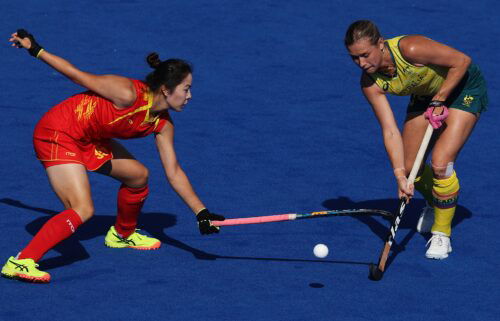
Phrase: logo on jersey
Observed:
(85, 108)
(385, 86)
(468, 100)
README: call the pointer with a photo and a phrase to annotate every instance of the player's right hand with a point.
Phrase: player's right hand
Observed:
(404, 190)
(436, 113)
(204, 217)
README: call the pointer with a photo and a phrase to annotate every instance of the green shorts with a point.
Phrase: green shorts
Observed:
(469, 95)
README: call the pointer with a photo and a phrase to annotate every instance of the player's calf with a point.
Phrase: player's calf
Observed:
(445, 196)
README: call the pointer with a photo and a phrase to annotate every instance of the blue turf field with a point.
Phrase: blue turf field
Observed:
(277, 124)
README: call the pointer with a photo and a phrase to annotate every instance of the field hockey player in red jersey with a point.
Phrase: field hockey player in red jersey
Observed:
(77, 136)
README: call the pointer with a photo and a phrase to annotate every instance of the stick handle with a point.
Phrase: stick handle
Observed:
(255, 220)
(420, 154)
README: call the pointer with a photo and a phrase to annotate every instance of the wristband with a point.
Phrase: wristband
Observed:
(396, 170)
(436, 103)
(39, 53)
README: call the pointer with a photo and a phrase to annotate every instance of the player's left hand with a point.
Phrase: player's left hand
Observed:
(204, 217)
(404, 190)
(436, 113)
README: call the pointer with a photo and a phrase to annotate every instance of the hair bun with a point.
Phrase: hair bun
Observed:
(153, 60)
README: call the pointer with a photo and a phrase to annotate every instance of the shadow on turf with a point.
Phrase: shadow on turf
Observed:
(72, 250)
(379, 228)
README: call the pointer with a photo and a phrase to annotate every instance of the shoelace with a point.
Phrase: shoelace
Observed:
(127, 240)
(124, 240)
(435, 236)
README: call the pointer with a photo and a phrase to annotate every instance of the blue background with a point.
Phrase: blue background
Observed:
(277, 124)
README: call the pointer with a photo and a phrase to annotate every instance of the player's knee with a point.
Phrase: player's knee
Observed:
(142, 177)
(85, 211)
(139, 178)
(442, 170)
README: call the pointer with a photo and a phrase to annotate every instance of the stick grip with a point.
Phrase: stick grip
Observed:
(255, 220)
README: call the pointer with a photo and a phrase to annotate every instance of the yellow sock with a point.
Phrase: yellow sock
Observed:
(424, 184)
(445, 193)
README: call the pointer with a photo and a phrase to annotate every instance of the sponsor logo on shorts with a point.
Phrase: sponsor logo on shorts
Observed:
(468, 100)
(70, 154)
(101, 152)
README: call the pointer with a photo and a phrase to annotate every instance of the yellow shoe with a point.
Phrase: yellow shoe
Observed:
(24, 270)
(135, 240)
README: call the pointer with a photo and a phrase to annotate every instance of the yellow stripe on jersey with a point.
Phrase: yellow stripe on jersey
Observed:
(147, 107)
(409, 79)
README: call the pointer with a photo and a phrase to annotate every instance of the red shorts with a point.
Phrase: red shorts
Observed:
(53, 148)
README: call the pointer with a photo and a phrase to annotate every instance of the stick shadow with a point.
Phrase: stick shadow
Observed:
(71, 250)
(381, 229)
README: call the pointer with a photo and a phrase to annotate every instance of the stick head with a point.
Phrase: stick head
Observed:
(375, 273)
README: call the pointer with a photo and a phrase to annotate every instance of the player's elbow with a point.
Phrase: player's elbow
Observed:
(466, 61)
(173, 173)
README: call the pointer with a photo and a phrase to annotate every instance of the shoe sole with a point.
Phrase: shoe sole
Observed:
(437, 257)
(141, 248)
(26, 278)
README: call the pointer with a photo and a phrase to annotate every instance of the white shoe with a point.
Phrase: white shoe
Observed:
(426, 219)
(440, 246)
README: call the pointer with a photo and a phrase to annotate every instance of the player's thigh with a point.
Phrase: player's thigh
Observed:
(124, 167)
(457, 130)
(413, 133)
(70, 183)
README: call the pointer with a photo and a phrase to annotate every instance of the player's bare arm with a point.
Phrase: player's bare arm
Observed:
(117, 89)
(393, 141)
(175, 175)
(420, 50)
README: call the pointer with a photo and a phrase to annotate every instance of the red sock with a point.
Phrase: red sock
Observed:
(130, 201)
(58, 228)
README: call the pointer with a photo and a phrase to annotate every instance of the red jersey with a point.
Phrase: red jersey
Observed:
(79, 129)
(90, 117)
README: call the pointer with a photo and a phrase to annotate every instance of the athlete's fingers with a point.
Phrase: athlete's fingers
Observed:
(408, 192)
(411, 189)
(16, 41)
(22, 39)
